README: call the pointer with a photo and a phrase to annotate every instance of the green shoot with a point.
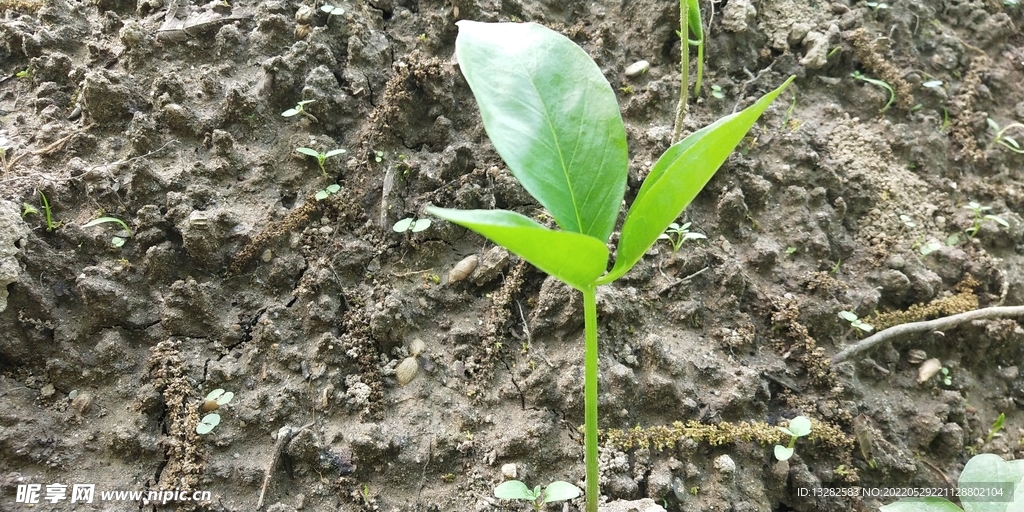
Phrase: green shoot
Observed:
(978, 219)
(378, 156)
(677, 234)
(875, 6)
(987, 483)
(410, 225)
(689, 21)
(996, 427)
(555, 491)
(930, 247)
(213, 401)
(716, 91)
(558, 88)
(325, 193)
(25, 73)
(117, 240)
(798, 427)
(320, 157)
(332, 10)
(27, 209)
(300, 109)
(932, 84)
(874, 81)
(855, 322)
(1005, 140)
(944, 377)
(51, 226)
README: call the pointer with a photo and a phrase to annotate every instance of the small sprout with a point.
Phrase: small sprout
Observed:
(944, 376)
(215, 399)
(25, 73)
(996, 427)
(855, 322)
(1005, 140)
(207, 424)
(932, 84)
(979, 219)
(716, 91)
(626, 89)
(50, 224)
(378, 156)
(791, 250)
(877, 5)
(300, 109)
(332, 10)
(798, 427)
(320, 157)
(422, 38)
(325, 193)
(28, 209)
(555, 491)
(637, 68)
(874, 81)
(408, 224)
(907, 221)
(930, 247)
(118, 240)
(677, 234)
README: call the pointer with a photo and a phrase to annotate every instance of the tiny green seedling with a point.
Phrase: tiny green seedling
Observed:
(118, 239)
(798, 427)
(880, 83)
(320, 157)
(300, 108)
(378, 156)
(332, 10)
(907, 221)
(555, 491)
(876, 6)
(791, 250)
(677, 234)
(1006, 141)
(214, 400)
(944, 376)
(980, 217)
(716, 91)
(855, 321)
(932, 84)
(25, 73)
(987, 484)
(325, 193)
(27, 209)
(51, 226)
(930, 247)
(996, 427)
(410, 225)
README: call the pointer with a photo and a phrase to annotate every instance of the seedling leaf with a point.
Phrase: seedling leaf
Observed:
(403, 225)
(783, 452)
(571, 257)
(800, 426)
(849, 316)
(985, 470)
(207, 424)
(420, 225)
(932, 84)
(513, 490)
(560, 491)
(308, 151)
(552, 117)
(333, 152)
(321, 195)
(929, 504)
(677, 177)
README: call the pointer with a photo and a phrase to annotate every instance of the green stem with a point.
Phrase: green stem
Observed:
(684, 61)
(590, 396)
(700, 68)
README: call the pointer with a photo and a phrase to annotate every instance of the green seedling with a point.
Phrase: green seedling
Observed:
(996, 427)
(300, 108)
(410, 225)
(51, 226)
(320, 157)
(1005, 140)
(553, 118)
(677, 234)
(874, 81)
(716, 91)
(875, 6)
(855, 322)
(791, 250)
(214, 400)
(27, 209)
(325, 193)
(25, 73)
(798, 427)
(689, 21)
(930, 247)
(907, 221)
(944, 376)
(987, 484)
(378, 156)
(332, 10)
(932, 84)
(980, 218)
(118, 239)
(555, 491)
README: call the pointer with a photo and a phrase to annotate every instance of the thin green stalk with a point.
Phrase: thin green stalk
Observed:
(684, 60)
(590, 396)
(700, 68)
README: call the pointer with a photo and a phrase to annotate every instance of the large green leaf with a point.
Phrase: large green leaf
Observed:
(571, 257)
(677, 177)
(929, 504)
(990, 471)
(552, 117)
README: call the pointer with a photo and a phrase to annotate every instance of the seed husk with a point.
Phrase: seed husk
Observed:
(406, 370)
(463, 269)
(928, 369)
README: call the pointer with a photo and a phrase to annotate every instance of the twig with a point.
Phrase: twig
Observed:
(284, 435)
(683, 280)
(930, 325)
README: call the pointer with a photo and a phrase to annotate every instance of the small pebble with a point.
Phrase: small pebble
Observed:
(509, 471)
(267, 256)
(637, 68)
(725, 464)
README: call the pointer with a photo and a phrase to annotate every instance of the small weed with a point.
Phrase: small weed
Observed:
(986, 483)
(422, 38)
(677, 234)
(944, 376)
(930, 247)
(880, 83)
(979, 218)
(876, 6)
(798, 427)
(855, 321)
(27, 209)
(332, 10)
(320, 157)
(907, 221)
(791, 250)
(25, 73)
(378, 156)
(555, 491)
(626, 89)
(787, 120)
(716, 91)
(300, 109)
(214, 400)
(1005, 140)
(996, 427)
(410, 225)
(51, 226)
(325, 193)
(945, 121)
(118, 240)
